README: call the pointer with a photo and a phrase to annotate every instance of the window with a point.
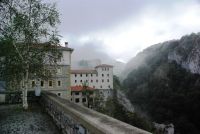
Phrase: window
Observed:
(33, 83)
(102, 75)
(50, 83)
(91, 75)
(80, 80)
(42, 83)
(75, 75)
(58, 83)
(83, 99)
(107, 80)
(97, 75)
(59, 71)
(102, 80)
(86, 75)
(100, 86)
(102, 69)
(91, 81)
(59, 94)
(86, 80)
(93, 86)
(81, 75)
(76, 93)
(108, 75)
(97, 81)
(108, 69)
(75, 81)
(77, 100)
(109, 86)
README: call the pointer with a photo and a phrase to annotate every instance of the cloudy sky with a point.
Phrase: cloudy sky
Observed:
(121, 28)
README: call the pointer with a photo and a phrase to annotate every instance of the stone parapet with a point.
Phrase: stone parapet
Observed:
(75, 119)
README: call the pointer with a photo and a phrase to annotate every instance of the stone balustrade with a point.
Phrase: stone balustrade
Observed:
(74, 119)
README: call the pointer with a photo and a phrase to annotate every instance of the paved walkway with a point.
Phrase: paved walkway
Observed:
(14, 120)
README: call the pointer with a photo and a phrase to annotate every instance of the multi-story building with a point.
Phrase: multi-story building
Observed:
(99, 78)
(59, 83)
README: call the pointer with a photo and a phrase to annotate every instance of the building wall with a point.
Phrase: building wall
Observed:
(60, 81)
(103, 79)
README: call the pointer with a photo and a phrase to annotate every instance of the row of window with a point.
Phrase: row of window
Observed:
(105, 69)
(50, 83)
(92, 81)
(77, 100)
(90, 75)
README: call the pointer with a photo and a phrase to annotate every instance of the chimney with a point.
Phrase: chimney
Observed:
(66, 44)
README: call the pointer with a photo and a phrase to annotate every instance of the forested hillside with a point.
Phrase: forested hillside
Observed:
(166, 84)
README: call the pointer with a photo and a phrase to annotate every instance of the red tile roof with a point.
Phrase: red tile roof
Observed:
(80, 88)
(83, 71)
(104, 65)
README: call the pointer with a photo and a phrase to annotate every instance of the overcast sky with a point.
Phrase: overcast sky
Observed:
(121, 28)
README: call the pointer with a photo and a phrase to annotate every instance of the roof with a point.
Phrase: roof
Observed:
(49, 45)
(80, 88)
(86, 71)
(103, 65)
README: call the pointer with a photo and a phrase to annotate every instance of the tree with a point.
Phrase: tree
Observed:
(87, 92)
(28, 41)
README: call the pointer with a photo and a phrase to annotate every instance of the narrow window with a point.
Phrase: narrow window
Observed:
(86, 75)
(75, 75)
(91, 75)
(80, 80)
(83, 99)
(102, 80)
(109, 86)
(81, 75)
(107, 80)
(59, 83)
(33, 83)
(97, 81)
(97, 75)
(91, 81)
(75, 81)
(42, 83)
(77, 100)
(108, 75)
(102, 75)
(50, 83)
(100, 86)
(76, 93)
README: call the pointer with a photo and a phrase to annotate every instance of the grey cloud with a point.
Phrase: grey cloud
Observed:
(90, 50)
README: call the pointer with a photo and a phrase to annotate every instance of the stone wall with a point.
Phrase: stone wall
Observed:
(74, 119)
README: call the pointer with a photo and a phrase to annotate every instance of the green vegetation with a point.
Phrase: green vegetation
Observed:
(113, 108)
(166, 91)
(28, 42)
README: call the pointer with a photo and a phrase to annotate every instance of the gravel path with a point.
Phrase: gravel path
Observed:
(14, 120)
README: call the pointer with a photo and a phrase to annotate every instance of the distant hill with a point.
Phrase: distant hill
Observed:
(164, 81)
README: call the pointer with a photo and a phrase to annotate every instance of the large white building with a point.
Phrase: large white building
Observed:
(99, 78)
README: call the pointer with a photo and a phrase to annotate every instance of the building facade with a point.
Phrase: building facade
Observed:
(59, 83)
(100, 78)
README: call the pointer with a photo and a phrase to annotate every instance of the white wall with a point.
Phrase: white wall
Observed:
(66, 59)
(96, 80)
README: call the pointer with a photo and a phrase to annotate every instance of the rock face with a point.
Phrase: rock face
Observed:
(125, 101)
(187, 53)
